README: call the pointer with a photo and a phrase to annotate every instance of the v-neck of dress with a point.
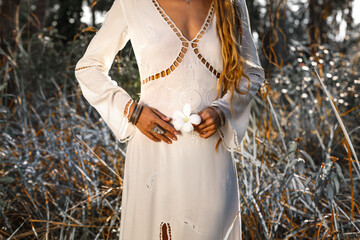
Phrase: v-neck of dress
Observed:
(177, 30)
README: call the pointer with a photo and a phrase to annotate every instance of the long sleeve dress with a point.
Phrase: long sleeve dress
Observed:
(186, 186)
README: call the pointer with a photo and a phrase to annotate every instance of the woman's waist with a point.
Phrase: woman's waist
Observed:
(184, 141)
(169, 99)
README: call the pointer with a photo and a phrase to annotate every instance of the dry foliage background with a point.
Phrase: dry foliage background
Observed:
(61, 169)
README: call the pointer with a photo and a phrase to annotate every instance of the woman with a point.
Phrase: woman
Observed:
(194, 57)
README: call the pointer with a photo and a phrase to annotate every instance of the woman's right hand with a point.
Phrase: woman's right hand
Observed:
(149, 118)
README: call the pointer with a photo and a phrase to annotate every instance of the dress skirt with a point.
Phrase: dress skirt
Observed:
(186, 185)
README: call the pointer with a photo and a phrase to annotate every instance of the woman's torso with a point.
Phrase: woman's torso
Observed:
(173, 69)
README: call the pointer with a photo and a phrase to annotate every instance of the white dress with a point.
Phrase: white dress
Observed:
(186, 187)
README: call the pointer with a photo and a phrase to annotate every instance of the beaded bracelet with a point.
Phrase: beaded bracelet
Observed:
(139, 109)
(131, 118)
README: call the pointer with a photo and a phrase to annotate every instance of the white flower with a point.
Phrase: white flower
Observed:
(184, 120)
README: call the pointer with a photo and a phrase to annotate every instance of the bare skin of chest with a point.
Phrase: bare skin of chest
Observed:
(188, 20)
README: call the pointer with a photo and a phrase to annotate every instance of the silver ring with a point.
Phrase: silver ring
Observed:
(157, 129)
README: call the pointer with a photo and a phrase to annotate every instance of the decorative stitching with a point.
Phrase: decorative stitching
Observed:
(77, 69)
(257, 75)
(172, 67)
(255, 71)
(127, 108)
(194, 45)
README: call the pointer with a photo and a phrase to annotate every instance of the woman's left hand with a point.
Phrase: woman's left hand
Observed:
(210, 122)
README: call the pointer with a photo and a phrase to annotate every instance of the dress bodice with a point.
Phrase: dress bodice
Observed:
(173, 69)
(160, 47)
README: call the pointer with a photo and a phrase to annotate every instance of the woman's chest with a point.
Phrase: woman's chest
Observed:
(188, 18)
(156, 38)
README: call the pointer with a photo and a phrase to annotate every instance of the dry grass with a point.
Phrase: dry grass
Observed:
(61, 169)
(298, 165)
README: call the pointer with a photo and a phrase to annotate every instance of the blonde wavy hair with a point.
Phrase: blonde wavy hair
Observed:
(229, 29)
(228, 25)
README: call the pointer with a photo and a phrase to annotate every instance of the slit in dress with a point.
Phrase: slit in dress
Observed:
(165, 231)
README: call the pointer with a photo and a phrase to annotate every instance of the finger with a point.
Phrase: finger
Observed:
(209, 128)
(203, 119)
(208, 134)
(206, 124)
(162, 116)
(196, 128)
(162, 137)
(152, 137)
(170, 135)
(201, 127)
(167, 127)
(204, 114)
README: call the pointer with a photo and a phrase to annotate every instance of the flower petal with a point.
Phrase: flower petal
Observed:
(187, 110)
(178, 115)
(178, 124)
(187, 127)
(195, 119)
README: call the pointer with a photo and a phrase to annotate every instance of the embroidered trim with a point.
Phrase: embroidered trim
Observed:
(258, 75)
(194, 45)
(255, 71)
(127, 108)
(130, 136)
(173, 66)
(77, 69)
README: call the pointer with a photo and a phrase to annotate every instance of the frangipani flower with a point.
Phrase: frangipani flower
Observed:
(184, 120)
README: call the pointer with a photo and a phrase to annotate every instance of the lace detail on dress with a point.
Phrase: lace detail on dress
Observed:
(185, 44)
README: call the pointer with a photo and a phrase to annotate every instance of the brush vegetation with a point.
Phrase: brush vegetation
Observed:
(61, 168)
